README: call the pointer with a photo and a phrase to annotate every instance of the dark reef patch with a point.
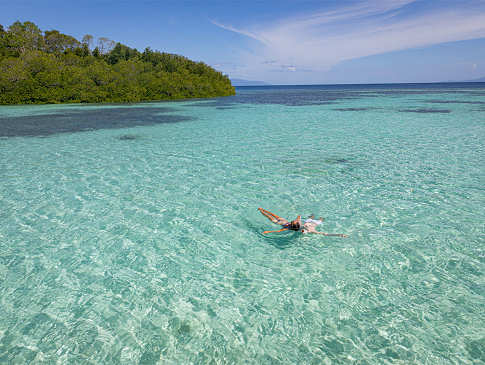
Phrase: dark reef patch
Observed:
(296, 97)
(307, 95)
(128, 137)
(336, 160)
(314, 95)
(77, 120)
(352, 109)
(425, 111)
(438, 101)
(216, 103)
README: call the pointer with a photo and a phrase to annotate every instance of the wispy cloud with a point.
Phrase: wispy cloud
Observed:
(240, 31)
(322, 39)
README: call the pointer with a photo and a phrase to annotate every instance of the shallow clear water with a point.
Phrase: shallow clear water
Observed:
(130, 234)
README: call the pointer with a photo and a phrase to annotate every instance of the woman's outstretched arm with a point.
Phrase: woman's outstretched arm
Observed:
(330, 234)
(281, 230)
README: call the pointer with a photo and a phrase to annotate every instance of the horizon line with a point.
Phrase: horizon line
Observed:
(372, 83)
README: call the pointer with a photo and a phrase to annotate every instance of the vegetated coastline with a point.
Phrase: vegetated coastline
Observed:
(49, 67)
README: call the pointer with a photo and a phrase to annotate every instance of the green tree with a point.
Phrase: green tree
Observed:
(82, 51)
(88, 40)
(105, 45)
(22, 37)
(96, 52)
(3, 40)
(56, 42)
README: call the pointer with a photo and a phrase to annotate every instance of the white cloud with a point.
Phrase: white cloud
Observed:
(240, 31)
(320, 40)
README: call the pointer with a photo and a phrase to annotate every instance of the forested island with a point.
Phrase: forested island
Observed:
(39, 67)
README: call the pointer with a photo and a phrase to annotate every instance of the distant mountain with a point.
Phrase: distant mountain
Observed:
(241, 82)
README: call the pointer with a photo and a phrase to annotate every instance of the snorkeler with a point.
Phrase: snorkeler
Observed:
(294, 225)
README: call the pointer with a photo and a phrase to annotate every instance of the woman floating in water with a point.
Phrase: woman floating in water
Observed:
(295, 225)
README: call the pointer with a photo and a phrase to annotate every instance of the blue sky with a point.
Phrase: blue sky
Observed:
(287, 42)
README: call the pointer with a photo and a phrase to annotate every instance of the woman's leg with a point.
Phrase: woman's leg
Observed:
(272, 217)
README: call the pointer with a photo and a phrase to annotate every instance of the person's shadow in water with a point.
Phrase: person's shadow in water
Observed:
(281, 240)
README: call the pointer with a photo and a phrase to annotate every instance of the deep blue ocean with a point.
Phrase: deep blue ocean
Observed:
(129, 233)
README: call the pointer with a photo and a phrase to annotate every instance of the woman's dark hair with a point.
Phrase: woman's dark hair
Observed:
(294, 226)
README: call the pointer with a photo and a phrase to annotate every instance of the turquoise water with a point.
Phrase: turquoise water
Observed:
(130, 234)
